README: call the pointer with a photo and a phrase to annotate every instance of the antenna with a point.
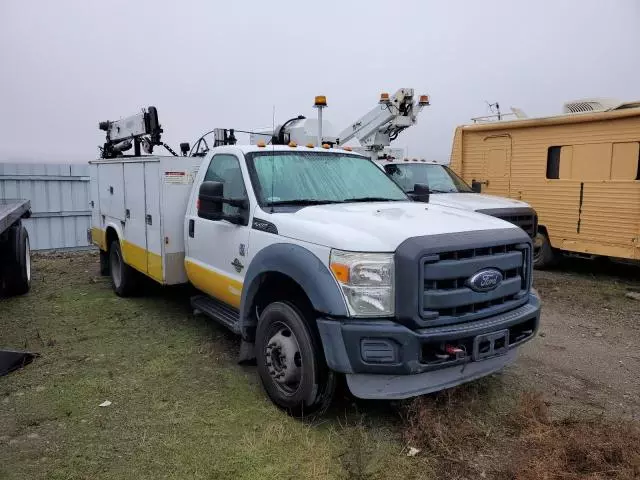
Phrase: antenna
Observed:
(273, 168)
(494, 108)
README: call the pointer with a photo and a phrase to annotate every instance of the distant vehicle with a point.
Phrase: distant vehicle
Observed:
(15, 252)
(318, 261)
(438, 184)
(579, 170)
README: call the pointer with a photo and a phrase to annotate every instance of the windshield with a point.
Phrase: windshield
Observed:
(438, 178)
(282, 178)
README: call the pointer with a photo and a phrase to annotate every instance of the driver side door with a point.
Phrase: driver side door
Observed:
(217, 249)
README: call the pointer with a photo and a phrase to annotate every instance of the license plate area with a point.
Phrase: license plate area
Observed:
(490, 344)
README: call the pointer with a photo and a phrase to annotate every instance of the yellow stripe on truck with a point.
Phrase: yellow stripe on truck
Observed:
(142, 260)
(215, 284)
(99, 238)
(133, 255)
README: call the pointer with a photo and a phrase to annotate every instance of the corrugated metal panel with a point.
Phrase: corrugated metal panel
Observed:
(59, 197)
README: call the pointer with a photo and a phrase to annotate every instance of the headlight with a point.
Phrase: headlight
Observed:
(366, 280)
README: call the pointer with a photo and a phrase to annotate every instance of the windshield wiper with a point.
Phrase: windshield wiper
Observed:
(371, 199)
(431, 190)
(300, 201)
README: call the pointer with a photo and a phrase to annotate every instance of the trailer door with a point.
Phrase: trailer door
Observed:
(497, 165)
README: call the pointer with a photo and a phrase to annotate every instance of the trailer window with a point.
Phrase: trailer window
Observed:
(553, 162)
(625, 161)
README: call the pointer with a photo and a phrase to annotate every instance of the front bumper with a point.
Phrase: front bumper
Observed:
(384, 359)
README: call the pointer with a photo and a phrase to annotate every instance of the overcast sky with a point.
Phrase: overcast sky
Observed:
(65, 65)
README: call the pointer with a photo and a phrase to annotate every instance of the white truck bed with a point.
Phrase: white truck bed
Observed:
(11, 211)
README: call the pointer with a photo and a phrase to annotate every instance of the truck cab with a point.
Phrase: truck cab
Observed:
(439, 185)
(323, 267)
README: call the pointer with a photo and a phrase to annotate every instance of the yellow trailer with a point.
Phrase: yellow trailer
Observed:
(580, 171)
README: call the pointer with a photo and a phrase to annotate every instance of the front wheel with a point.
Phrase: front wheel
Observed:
(291, 362)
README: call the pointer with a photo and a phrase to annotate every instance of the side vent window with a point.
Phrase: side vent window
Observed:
(553, 162)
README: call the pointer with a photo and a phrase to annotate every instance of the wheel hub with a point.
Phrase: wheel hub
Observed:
(283, 357)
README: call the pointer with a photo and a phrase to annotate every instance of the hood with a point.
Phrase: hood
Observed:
(474, 201)
(377, 226)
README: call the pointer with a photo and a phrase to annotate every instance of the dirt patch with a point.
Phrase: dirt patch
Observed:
(586, 356)
(469, 432)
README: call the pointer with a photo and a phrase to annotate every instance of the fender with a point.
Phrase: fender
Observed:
(303, 267)
(116, 225)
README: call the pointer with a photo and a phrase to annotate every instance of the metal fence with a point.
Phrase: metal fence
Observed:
(59, 197)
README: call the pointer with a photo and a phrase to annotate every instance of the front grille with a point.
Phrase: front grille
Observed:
(447, 298)
(525, 222)
(525, 218)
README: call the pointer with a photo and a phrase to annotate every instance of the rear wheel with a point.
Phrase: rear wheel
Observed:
(544, 255)
(291, 362)
(123, 277)
(17, 271)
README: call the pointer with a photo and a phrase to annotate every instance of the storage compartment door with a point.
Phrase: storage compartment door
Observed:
(135, 231)
(97, 226)
(152, 221)
(111, 186)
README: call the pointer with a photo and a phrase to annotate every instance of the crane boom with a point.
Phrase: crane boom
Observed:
(376, 129)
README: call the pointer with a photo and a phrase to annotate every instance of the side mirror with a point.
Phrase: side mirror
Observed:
(421, 193)
(476, 186)
(210, 200)
(184, 148)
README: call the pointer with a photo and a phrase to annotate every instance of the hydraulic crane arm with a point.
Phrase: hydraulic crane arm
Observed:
(382, 124)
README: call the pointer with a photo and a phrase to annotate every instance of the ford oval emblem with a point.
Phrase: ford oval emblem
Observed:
(485, 280)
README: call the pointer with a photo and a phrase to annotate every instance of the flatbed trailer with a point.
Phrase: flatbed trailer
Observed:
(15, 251)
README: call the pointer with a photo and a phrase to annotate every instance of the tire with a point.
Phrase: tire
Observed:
(291, 362)
(544, 255)
(17, 271)
(104, 264)
(123, 277)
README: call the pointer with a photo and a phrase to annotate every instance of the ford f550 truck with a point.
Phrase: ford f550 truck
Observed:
(318, 261)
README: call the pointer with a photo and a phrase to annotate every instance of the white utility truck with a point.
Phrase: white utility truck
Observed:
(319, 262)
(422, 181)
(433, 182)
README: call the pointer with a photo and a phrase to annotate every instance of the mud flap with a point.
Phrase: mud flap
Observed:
(11, 360)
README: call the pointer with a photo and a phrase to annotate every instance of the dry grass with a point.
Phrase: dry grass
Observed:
(475, 432)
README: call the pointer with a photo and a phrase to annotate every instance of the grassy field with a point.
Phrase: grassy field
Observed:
(182, 408)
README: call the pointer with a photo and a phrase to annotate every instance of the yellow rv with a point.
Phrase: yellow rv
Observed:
(579, 170)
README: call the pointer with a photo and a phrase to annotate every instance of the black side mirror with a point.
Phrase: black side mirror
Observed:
(421, 193)
(476, 186)
(210, 200)
(184, 148)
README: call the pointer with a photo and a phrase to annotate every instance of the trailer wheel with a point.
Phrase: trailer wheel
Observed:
(291, 362)
(17, 273)
(123, 277)
(544, 255)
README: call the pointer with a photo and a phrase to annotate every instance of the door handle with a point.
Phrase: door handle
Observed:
(149, 219)
(192, 227)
